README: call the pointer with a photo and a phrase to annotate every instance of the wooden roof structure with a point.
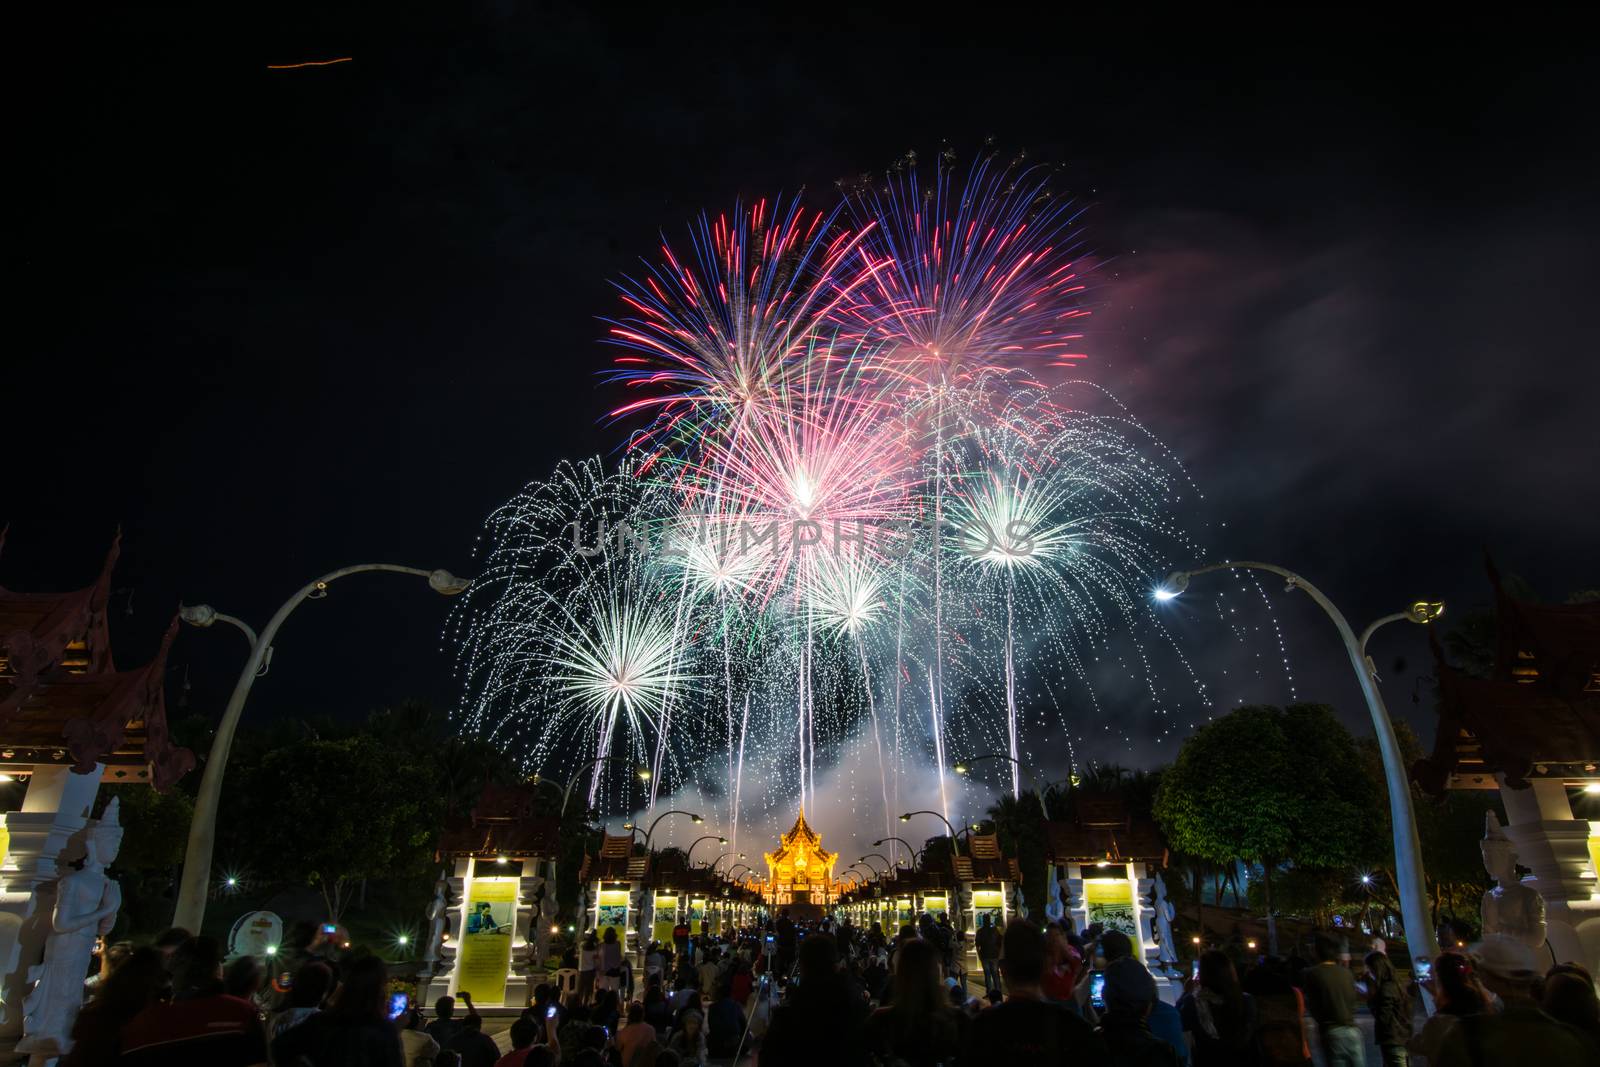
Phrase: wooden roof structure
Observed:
(62, 700)
(504, 822)
(1537, 714)
(1100, 829)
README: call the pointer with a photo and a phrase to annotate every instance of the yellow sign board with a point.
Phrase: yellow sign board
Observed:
(666, 918)
(1110, 903)
(990, 903)
(485, 957)
(612, 913)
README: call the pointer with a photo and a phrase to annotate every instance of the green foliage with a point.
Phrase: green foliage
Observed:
(1268, 786)
(1020, 824)
(155, 826)
(350, 809)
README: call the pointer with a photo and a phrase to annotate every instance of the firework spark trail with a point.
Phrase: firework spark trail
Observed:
(808, 382)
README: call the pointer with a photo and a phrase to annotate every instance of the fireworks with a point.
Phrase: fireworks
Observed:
(856, 512)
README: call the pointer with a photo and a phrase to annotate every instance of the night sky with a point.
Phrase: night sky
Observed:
(276, 322)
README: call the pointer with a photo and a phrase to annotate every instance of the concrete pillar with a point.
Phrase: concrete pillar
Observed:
(1555, 847)
(45, 836)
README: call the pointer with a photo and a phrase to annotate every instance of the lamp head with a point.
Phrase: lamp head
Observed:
(643, 773)
(198, 614)
(722, 840)
(627, 826)
(697, 819)
(446, 584)
(905, 818)
(961, 768)
(1425, 611)
(1173, 587)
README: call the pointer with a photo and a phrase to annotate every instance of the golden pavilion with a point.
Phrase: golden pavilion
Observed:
(801, 871)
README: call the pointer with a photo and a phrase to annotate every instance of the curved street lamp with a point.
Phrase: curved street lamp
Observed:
(859, 866)
(725, 855)
(964, 768)
(195, 881)
(955, 842)
(643, 774)
(1407, 844)
(709, 837)
(739, 867)
(887, 866)
(696, 819)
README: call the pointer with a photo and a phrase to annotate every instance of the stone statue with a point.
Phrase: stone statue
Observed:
(1053, 908)
(438, 916)
(86, 907)
(1510, 908)
(1165, 913)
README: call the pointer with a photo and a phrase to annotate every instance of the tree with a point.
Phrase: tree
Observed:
(336, 812)
(1268, 786)
(155, 831)
(1449, 828)
(1019, 822)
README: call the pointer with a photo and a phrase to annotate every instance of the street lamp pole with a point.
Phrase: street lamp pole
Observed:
(566, 794)
(696, 819)
(1407, 843)
(709, 837)
(195, 882)
(887, 864)
(955, 842)
(964, 767)
(912, 849)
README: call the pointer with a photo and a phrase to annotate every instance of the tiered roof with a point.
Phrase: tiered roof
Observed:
(504, 822)
(1101, 829)
(1537, 715)
(62, 701)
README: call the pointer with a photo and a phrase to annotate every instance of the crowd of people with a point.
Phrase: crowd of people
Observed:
(784, 994)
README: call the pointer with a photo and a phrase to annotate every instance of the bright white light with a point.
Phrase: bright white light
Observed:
(402, 940)
(1163, 593)
(1592, 788)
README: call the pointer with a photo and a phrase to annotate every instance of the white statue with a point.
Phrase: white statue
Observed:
(1053, 908)
(1165, 913)
(1510, 908)
(86, 908)
(438, 916)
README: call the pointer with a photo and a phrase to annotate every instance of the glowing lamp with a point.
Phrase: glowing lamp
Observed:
(1173, 587)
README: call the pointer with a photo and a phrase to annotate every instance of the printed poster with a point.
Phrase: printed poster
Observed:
(1110, 903)
(612, 911)
(484, 960)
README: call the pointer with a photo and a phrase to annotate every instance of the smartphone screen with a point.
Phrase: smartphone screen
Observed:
(398, 1003)
(1097, 989)
(327, 928)
(550, 1012)
(1424, 969)
(1194, 970)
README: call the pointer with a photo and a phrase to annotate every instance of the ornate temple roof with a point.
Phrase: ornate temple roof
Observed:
(800, 838)
(1538, 712)
(63, 702)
